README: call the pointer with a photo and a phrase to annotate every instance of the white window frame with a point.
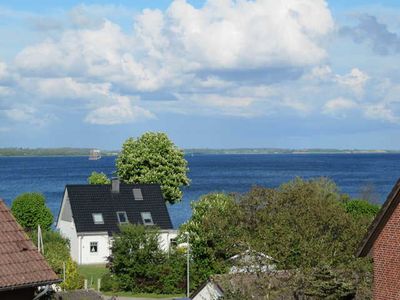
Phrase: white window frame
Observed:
(97, 222)
(147, 215)
(126, 217)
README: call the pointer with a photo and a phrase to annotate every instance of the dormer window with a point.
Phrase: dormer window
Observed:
(146, 218)
(122, 217)
(137, 194)
(98, 218)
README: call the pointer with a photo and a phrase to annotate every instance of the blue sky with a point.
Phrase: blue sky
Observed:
(216, 74)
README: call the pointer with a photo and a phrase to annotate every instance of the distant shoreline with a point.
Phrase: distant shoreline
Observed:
(84, 152)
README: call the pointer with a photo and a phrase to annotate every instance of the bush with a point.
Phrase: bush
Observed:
(361, 208)
(109, 283)
(30, 210)
(98, 178)
(73, 280)
(136, 259)
(56, 249)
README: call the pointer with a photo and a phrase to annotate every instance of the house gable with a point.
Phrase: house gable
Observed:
(382, 242)
(96, 208)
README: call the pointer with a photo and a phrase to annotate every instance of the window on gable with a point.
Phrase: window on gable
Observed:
(122, 217)
(93, 247)
(98, 218)
(137, 194)
(147, 219)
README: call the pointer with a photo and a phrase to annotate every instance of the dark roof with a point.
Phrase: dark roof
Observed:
(88, 199)
(380, 220)
(21, 265)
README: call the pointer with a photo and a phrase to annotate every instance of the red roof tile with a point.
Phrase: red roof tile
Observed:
(20, 262)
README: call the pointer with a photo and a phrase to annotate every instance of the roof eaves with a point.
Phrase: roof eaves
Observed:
(28, 285)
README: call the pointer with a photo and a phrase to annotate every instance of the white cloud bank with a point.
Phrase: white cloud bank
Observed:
(241, 58)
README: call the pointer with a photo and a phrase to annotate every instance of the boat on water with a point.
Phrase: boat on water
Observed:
(95, 154)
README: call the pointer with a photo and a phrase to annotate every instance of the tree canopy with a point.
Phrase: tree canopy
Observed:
(154, 158)
(30, 210)
(98, 178)
(304, 225)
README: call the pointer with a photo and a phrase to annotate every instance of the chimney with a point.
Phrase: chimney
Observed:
(115, 185)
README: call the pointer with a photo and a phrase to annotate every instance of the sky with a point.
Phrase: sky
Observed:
(211, 74)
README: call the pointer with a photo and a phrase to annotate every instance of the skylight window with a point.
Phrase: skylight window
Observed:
(122, 217)
(98, 218)
(147, 219)
(137, 194)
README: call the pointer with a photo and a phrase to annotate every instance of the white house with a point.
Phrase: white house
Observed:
(209, 290)
(91, 214)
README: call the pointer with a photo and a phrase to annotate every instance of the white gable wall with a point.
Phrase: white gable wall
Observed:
(165, 239)
(66, 225)
(209, 292)
(103, 248)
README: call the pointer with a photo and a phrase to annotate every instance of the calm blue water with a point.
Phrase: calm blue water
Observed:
(229, 173)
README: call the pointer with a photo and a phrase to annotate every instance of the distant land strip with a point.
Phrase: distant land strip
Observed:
(194, 151)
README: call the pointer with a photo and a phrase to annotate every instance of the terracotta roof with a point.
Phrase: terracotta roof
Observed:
(21, 265)
(380, 221)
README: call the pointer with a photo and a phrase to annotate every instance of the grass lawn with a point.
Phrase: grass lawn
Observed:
(157, 296)
(91, 273)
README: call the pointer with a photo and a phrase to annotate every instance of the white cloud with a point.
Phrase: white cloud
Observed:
(339, 106)
(355, 80)
(120, 112)
(381, 112)
(27, 114)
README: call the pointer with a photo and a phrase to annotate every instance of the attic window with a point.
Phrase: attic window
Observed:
(122, 217)
(137, 194)
(98, 218)
(147, 219)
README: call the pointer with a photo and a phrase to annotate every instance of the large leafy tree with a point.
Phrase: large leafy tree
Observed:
(215, 234)
(30, 210)
(154, 158)
(303, 224)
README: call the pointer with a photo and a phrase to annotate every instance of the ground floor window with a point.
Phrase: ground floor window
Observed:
(93, 247)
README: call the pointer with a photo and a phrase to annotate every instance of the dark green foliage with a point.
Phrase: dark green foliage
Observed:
(361, 208)
(214, 234)
(138, 265)
(30, 210)
(153, 158)
(56, 249)
(109, 283)
(303, 224)
(98, 178)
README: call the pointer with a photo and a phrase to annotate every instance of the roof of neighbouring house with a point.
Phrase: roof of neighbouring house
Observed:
(89, 199)
(21, 265)
(380, 221)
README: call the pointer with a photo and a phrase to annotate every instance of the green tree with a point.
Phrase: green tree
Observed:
(153, 158)
(361, 209)
(30, 210)
(98, 178)
(73, 280)
(136, 259)
(215, 234)
(301, 224)
(56, 249)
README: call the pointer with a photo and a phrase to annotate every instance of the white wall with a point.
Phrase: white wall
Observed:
(209, 292)
(68, 230)
(103, 249)
(165, 239)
